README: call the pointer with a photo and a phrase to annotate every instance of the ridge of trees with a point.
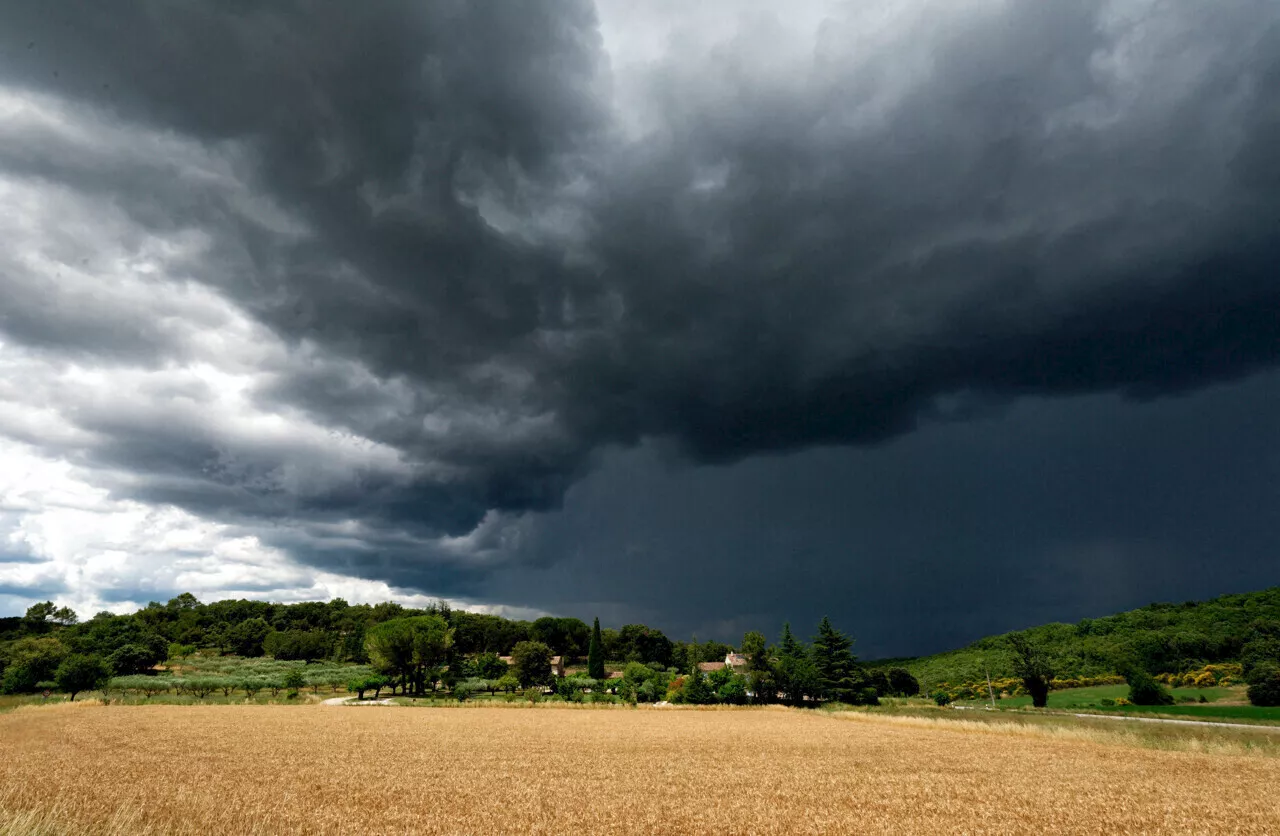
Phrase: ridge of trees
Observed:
(413, 650)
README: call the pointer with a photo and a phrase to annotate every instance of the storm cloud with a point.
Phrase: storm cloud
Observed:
(376, 285)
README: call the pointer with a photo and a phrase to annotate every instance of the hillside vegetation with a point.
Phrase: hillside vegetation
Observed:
(1162, 638)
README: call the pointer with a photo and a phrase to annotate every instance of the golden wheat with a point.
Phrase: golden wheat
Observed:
(264, 769)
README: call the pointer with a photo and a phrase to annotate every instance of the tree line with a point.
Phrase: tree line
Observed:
(415, 652)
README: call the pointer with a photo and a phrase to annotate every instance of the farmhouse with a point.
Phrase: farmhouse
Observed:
(735, 662)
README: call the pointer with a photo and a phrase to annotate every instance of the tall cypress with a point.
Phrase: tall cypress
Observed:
(595, 653)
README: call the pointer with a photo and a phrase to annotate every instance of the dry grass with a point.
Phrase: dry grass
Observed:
(264, 769)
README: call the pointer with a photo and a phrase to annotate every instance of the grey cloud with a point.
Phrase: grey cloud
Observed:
(499, 280)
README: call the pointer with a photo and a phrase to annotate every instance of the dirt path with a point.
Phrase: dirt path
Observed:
(1210, 723)
(354, 701)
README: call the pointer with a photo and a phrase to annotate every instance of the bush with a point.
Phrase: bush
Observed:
(1264, 685)
(533, 695)
(1144, 690)
(941, 697)
(294, 680)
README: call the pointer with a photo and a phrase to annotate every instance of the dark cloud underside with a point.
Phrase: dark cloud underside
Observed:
(493, 246)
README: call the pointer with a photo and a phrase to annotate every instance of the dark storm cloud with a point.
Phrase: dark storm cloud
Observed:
(1052, 509)
(500, 275)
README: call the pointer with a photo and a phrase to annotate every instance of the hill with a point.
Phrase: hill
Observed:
(1164, 638)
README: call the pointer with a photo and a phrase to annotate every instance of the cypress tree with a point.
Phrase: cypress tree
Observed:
(595, 654)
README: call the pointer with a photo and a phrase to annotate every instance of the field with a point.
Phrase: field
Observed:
(276, 769)
(1221, 703)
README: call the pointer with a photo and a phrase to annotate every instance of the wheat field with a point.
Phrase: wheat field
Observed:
(269, 770)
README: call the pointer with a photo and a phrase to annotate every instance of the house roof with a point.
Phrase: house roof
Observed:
(736, 660)
(710, 666)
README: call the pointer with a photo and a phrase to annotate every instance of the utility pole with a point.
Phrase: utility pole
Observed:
(991, 691)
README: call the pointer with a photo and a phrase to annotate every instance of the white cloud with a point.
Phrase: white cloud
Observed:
(73, 543)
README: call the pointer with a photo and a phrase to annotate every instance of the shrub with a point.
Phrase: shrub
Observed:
(1144, 690)
(941, 697)
(1264, 685)
(294, 679)
(533, 695)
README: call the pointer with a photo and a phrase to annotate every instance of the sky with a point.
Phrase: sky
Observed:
(941, 318)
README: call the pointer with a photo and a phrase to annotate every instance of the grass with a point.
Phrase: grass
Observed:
(263, 769)
(1223, 704)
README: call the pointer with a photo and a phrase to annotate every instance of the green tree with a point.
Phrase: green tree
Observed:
(756, 648)
(79, 672)
(695, 690)
(532, 663)
(132, 659)
(370, 682)
(489, 666)
(1031, 665)
(30, 661)
(411, 649)
(839, 677)
(902, 683)
(1144, 690)
(298, 645)
(595, 653)
(246, 638)
(1264, 684)
(294, 680)
(793, 672)
(39, 617)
